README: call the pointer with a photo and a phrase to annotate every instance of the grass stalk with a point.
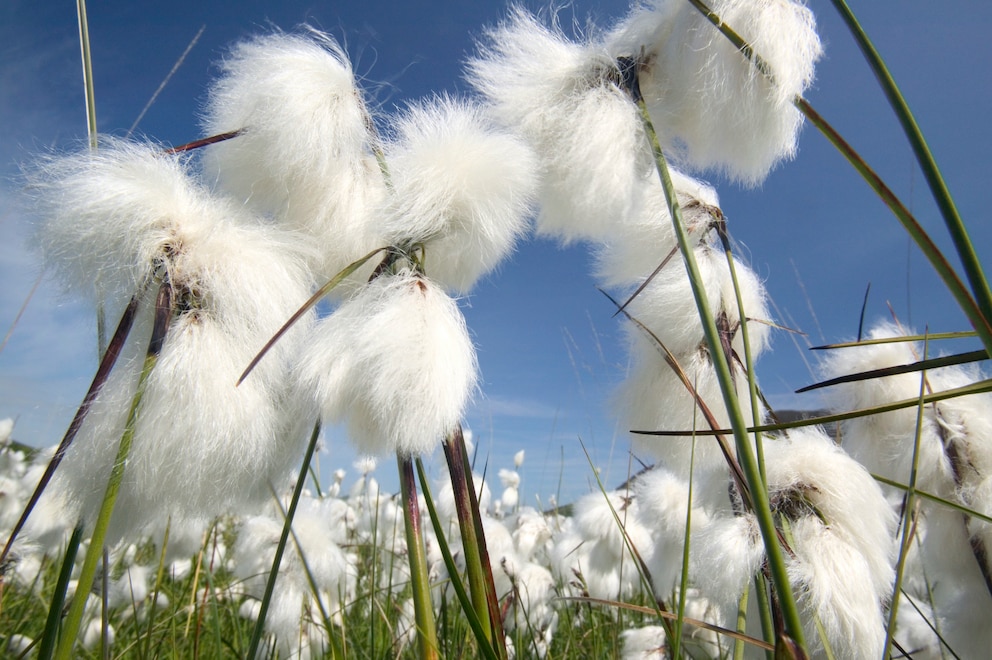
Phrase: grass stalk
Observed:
(935, 180)
(256, 636)
(94, 553)
(417, 556)
(477, 566)
(486, 647)
(107, 363)
(745, 454)
(908, 519)
(56, 607)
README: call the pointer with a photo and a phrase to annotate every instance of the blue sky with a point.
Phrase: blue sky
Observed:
(549, 350)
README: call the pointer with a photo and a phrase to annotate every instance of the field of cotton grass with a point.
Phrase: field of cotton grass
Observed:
(181, 516)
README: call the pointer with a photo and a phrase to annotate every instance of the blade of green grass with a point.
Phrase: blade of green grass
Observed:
(745, 454)
(480, 632)
(417, 557)
(909, 513)
(935, 180)
(94, 553)
(256, 636)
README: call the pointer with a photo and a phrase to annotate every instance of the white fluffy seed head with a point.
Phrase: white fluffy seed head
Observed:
(304, 151)
(396, 362)
(563, 98)
(707, 101)
(109, 216)
(884, 442)
(637, 243)
(834, 584)
(646, 643)
(663, 503)
(202, 446)
(725, 555)
(809, 465)
(842, 529)
(460, 187)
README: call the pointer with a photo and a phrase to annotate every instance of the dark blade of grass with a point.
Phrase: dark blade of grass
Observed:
(979, 387)
(417, 557)
(56, 607)
(94, 552)
(102, 373)
(921, 365)
(20, 312)
(864, 308)
(306, 307)
(480, 579)
(935, 180)
(480, 632)
(203, 142)
(270, 585)
(980, 320)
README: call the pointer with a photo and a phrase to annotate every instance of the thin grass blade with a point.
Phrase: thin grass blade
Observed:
(307, 306)
(920, 365)
(480, 632)
(257, 632)
(935, 180)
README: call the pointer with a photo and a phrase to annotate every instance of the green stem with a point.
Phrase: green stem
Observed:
(485, 646)
(107, 363)
(270, 585)
(909, 505)
(955, 226)
(417, 556)
(94, 553)
(752, 381)
(759, 495)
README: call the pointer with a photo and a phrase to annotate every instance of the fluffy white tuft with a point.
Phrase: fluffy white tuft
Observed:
(654, 398)
(842, 528)
(638, 243)
(563, 98)
(396, 362)
(304, 151)
(809, 466)
(725, 554)
(646, 643)
(108, 216)
(202, 446)
(834, 583)
(707, 101)
(884, 442)
(460, 187)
